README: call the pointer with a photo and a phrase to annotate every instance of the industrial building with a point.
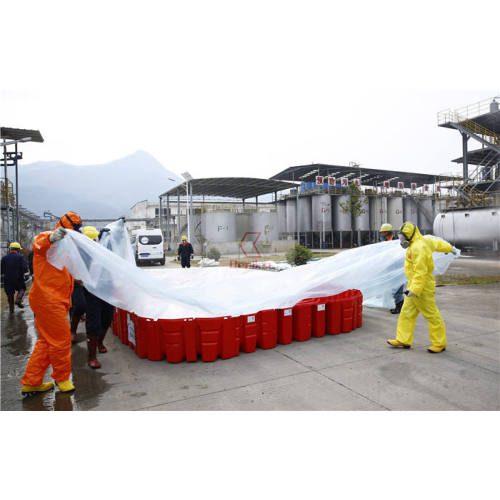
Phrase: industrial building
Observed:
(320, 206)
(472, 218)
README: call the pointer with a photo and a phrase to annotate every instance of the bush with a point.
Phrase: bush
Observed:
(298, 255)
(214, 254)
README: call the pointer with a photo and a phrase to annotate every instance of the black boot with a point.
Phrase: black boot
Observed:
(398, 307)
(100, 346)
(10, 298)
(19, 298)
(73, 327)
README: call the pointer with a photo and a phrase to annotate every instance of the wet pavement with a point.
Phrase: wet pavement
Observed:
(355, 371)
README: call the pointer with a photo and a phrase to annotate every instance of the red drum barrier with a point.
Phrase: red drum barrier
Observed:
(224, 337)
(302, 321)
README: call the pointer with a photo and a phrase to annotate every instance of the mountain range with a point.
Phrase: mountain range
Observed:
(106, 190)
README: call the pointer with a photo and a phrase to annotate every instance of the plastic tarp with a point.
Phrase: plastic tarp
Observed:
(377, 270)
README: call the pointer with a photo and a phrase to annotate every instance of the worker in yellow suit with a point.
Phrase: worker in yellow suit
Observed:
(421, 289)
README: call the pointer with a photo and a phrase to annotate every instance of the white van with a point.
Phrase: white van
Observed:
(148, 246)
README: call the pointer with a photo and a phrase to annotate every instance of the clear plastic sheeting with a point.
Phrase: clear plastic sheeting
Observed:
(377, 270)
(116, 240)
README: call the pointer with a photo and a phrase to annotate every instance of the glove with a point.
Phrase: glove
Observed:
(178, 257)
(102, 231)
(454, 251)
(409, 293)
(57, 235)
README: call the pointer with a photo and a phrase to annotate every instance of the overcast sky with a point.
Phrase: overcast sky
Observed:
(246, 88)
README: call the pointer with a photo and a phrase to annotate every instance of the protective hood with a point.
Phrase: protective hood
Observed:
(411, 232)
(70, 220)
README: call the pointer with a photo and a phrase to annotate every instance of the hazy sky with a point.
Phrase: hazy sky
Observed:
(246, 88)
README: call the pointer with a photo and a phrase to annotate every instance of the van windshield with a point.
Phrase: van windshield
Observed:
(150, 239)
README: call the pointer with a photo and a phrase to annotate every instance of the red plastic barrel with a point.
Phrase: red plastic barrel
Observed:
(172, 339)
(267, 337)
(360, 309)
(333, 315)
(347, 306)
(139, 338)
(248, 332)
(230, 340)
(208, 337)
(319, 318)
(285, 326)
(302, 321)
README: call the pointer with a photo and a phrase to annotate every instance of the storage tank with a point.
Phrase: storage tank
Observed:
(341, 218)
(378, 211)
(243, 224)
(410, 212)
(290, 216)
(305, 214)
(478, 227)
(281, 210)
(219, 227)
(425, 215)
(265, 223)
(362, 221)
(321, 209)
(395, 212)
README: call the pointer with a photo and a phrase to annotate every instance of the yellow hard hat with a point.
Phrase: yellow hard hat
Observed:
(15, 244)
(91, 232)
(184, 237)
(386, 227)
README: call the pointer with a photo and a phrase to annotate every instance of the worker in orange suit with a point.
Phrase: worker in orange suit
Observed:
(50, 300)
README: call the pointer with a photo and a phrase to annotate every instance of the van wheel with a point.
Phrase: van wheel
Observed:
(162, 262)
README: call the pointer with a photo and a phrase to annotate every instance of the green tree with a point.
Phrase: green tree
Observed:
(356, 202)
(298, 255)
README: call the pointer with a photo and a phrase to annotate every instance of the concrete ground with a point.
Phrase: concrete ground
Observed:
(354, 371)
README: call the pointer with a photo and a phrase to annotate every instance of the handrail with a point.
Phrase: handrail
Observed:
(467, 112)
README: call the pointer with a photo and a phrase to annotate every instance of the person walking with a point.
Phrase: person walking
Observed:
(99, 314)
(14, 267)
(420, 293)
(184, 252)
(50, 300)
(387, 234)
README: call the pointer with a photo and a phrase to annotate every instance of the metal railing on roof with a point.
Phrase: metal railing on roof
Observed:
(465, 113)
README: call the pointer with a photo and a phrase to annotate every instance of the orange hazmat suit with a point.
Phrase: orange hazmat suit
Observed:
(50, 300)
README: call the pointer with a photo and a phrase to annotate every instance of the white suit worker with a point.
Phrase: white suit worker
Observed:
(421, 289)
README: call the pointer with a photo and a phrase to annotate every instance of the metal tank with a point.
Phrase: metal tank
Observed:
(243, 224)
(281, 210)
(321, 212)
(219, 227)
(410, 211)
(362, 221)
(305, 214)
(341, 218)
(395, 211)
(478, 227)
(290, 216)
(426, 215)
(265, 223)
(378, 211)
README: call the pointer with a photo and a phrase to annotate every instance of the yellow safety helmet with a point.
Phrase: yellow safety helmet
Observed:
(184, 238)
(15, 245)
(91, 232)
(386, 228)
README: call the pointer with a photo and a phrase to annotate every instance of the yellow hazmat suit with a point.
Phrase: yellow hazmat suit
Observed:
(418, 269)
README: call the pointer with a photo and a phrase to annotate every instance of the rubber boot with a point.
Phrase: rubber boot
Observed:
(100, 346)
(31, 390)
(435, 349)
(65, 386)
(92, 347)
(19, 298)
(398, 307)
(10, 298)
(397, 343)
(73, 327)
